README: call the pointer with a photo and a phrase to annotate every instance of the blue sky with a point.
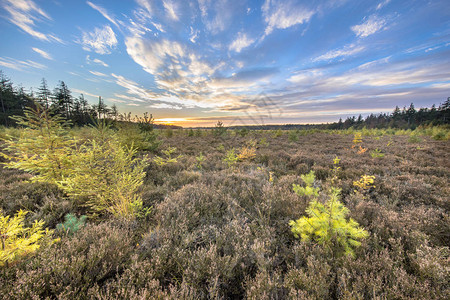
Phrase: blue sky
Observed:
(242, 62)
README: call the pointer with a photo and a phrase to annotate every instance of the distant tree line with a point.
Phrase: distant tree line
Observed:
(60, 101)
(405, 118)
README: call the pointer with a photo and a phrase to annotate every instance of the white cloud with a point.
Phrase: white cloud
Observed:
(165, 105)
(24, 13)
(305, 77)
(103, 12)
(96, 61)
(146, 5)
(158, 26)
(343, 52)
(170, 8)
(194, 35)
(382, 4)
(133, 88)
(376, 79)
(84, 93)
(20, 65)
(98, 73)
(241, 42)
(217, 15)
(116, 100)
(153, 55)
(101, 41)
(372, 25)
(284, 14)
(374, 63)
(42, 53)
(197, 67)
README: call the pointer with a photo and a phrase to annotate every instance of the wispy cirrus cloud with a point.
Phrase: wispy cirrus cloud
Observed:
(165, 106)
(96, 61)
(24, 14)
(284, 14)
(133, 88)
(85, 93)
(217, 15)
(382, 4)
(42, 53)
(98, 73)
(369, 86)
(343, 52)
(101, 40)
(103, 12)
(20, 65)
(170, 9)
(194, 35)
(371, 25)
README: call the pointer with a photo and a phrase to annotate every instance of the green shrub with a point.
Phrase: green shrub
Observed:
(231, 158)
(327, 225)
(71, 224)
(243, 132)
(293, 136)
(441, 135)
(277, 133)
(44, 148)
(200, 159)
(377, 153)
(219, 129)
(100, 172)
(106, 176)
(169, 132)
(17, 240)
(140, 137)
(161, 161)
(414, 139)
(308, 190)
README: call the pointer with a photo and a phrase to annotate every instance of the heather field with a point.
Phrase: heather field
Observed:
(136, 213)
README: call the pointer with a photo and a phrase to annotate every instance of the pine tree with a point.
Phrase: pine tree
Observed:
(107, 174)
(43, 148)
(44, 94)
(327, 223)
(18, 240)
(62, 100)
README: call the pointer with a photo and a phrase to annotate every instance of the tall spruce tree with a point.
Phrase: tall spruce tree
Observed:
(62, 100)
(44, 94)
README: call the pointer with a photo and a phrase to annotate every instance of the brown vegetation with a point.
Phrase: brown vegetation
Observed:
(223, 232)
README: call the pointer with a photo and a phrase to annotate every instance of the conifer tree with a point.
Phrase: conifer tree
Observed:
(43, 148)
(327, 224)
(18, 240)
(44, 94)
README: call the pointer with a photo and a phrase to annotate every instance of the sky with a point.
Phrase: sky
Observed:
(192, 63)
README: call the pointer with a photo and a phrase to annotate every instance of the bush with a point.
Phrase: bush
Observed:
(100, 172)
(67, 270)
(328, 226)
(71, 224)
(107, 175)
(44, 148)
(17, 240)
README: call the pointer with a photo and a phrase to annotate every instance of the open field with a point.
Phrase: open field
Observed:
(219, 229)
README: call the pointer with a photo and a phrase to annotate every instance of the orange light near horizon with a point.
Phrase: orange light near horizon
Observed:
(185, 122)
(171, 120)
